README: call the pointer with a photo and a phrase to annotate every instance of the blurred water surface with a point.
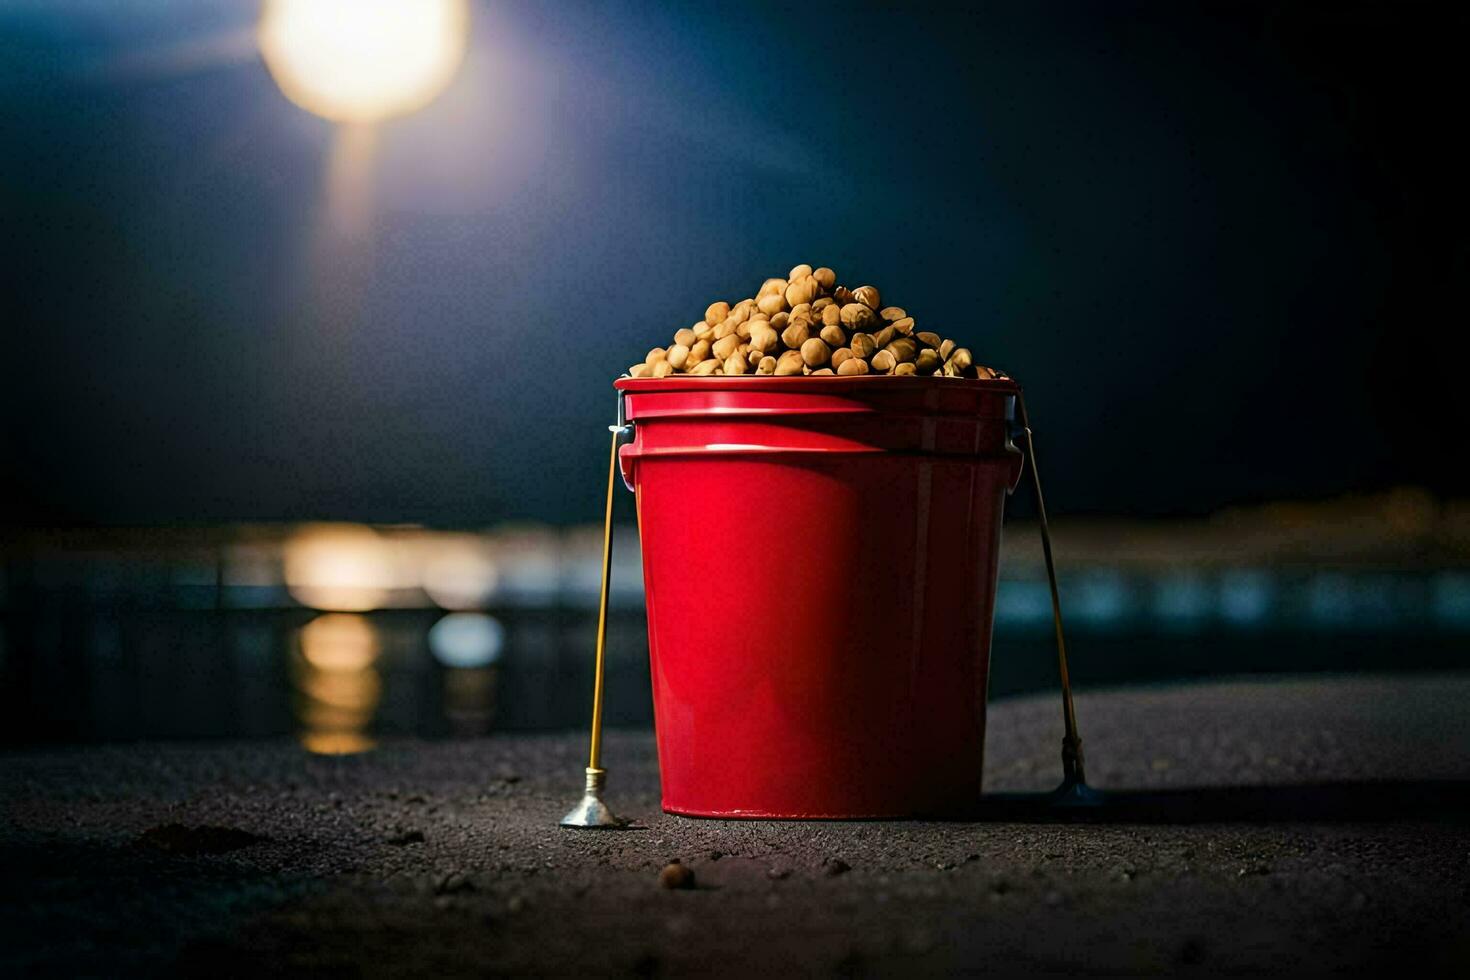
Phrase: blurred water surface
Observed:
(339, 634)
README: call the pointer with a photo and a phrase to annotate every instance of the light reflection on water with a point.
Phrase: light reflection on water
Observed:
(337, 685)
(469, 699)
(342, 635)
(464, 640)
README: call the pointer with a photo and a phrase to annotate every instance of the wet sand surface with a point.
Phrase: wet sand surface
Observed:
(1282, 826)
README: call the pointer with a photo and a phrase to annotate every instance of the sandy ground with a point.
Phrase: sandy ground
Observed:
(1278, 826)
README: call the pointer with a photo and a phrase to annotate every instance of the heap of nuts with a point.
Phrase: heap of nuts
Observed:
(807, 324)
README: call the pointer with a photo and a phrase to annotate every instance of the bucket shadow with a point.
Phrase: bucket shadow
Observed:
(1368, 801)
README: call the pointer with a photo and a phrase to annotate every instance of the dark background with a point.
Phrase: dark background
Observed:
(1221, 245)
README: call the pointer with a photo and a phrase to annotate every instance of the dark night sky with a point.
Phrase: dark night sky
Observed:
(1219, 245)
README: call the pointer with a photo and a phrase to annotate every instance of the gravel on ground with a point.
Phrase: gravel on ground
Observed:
(1296, 826)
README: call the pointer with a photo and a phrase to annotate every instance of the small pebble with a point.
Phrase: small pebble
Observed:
(778, 874)
(453, 883)
(402, 837)
(835, 866)
(676, 876)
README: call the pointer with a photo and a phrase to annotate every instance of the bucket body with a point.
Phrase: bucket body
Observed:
(819, 561)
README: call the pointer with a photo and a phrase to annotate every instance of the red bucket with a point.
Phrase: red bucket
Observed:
(819, 563)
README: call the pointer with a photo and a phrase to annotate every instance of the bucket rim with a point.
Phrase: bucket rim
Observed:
(828, 384)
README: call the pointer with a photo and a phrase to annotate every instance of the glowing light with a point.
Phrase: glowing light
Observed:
(1451, 598)
(341, 567)
(336, 743)
(459, 573)
(466, 640)
(338, 688)
(1245, 596)
(1101, 598)
(1181, 598)
(338, 695)
(363, 60)
(339, 642)
(1018, 601)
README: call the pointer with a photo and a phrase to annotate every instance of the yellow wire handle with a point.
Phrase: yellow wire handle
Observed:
(594, 762)
(1072, 763)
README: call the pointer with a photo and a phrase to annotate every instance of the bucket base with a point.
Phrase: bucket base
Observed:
(779, 815)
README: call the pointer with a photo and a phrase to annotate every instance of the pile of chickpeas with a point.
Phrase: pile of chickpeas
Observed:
(807, 324)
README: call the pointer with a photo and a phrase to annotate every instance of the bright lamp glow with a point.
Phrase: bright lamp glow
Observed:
(363, 61)
(341, 567)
